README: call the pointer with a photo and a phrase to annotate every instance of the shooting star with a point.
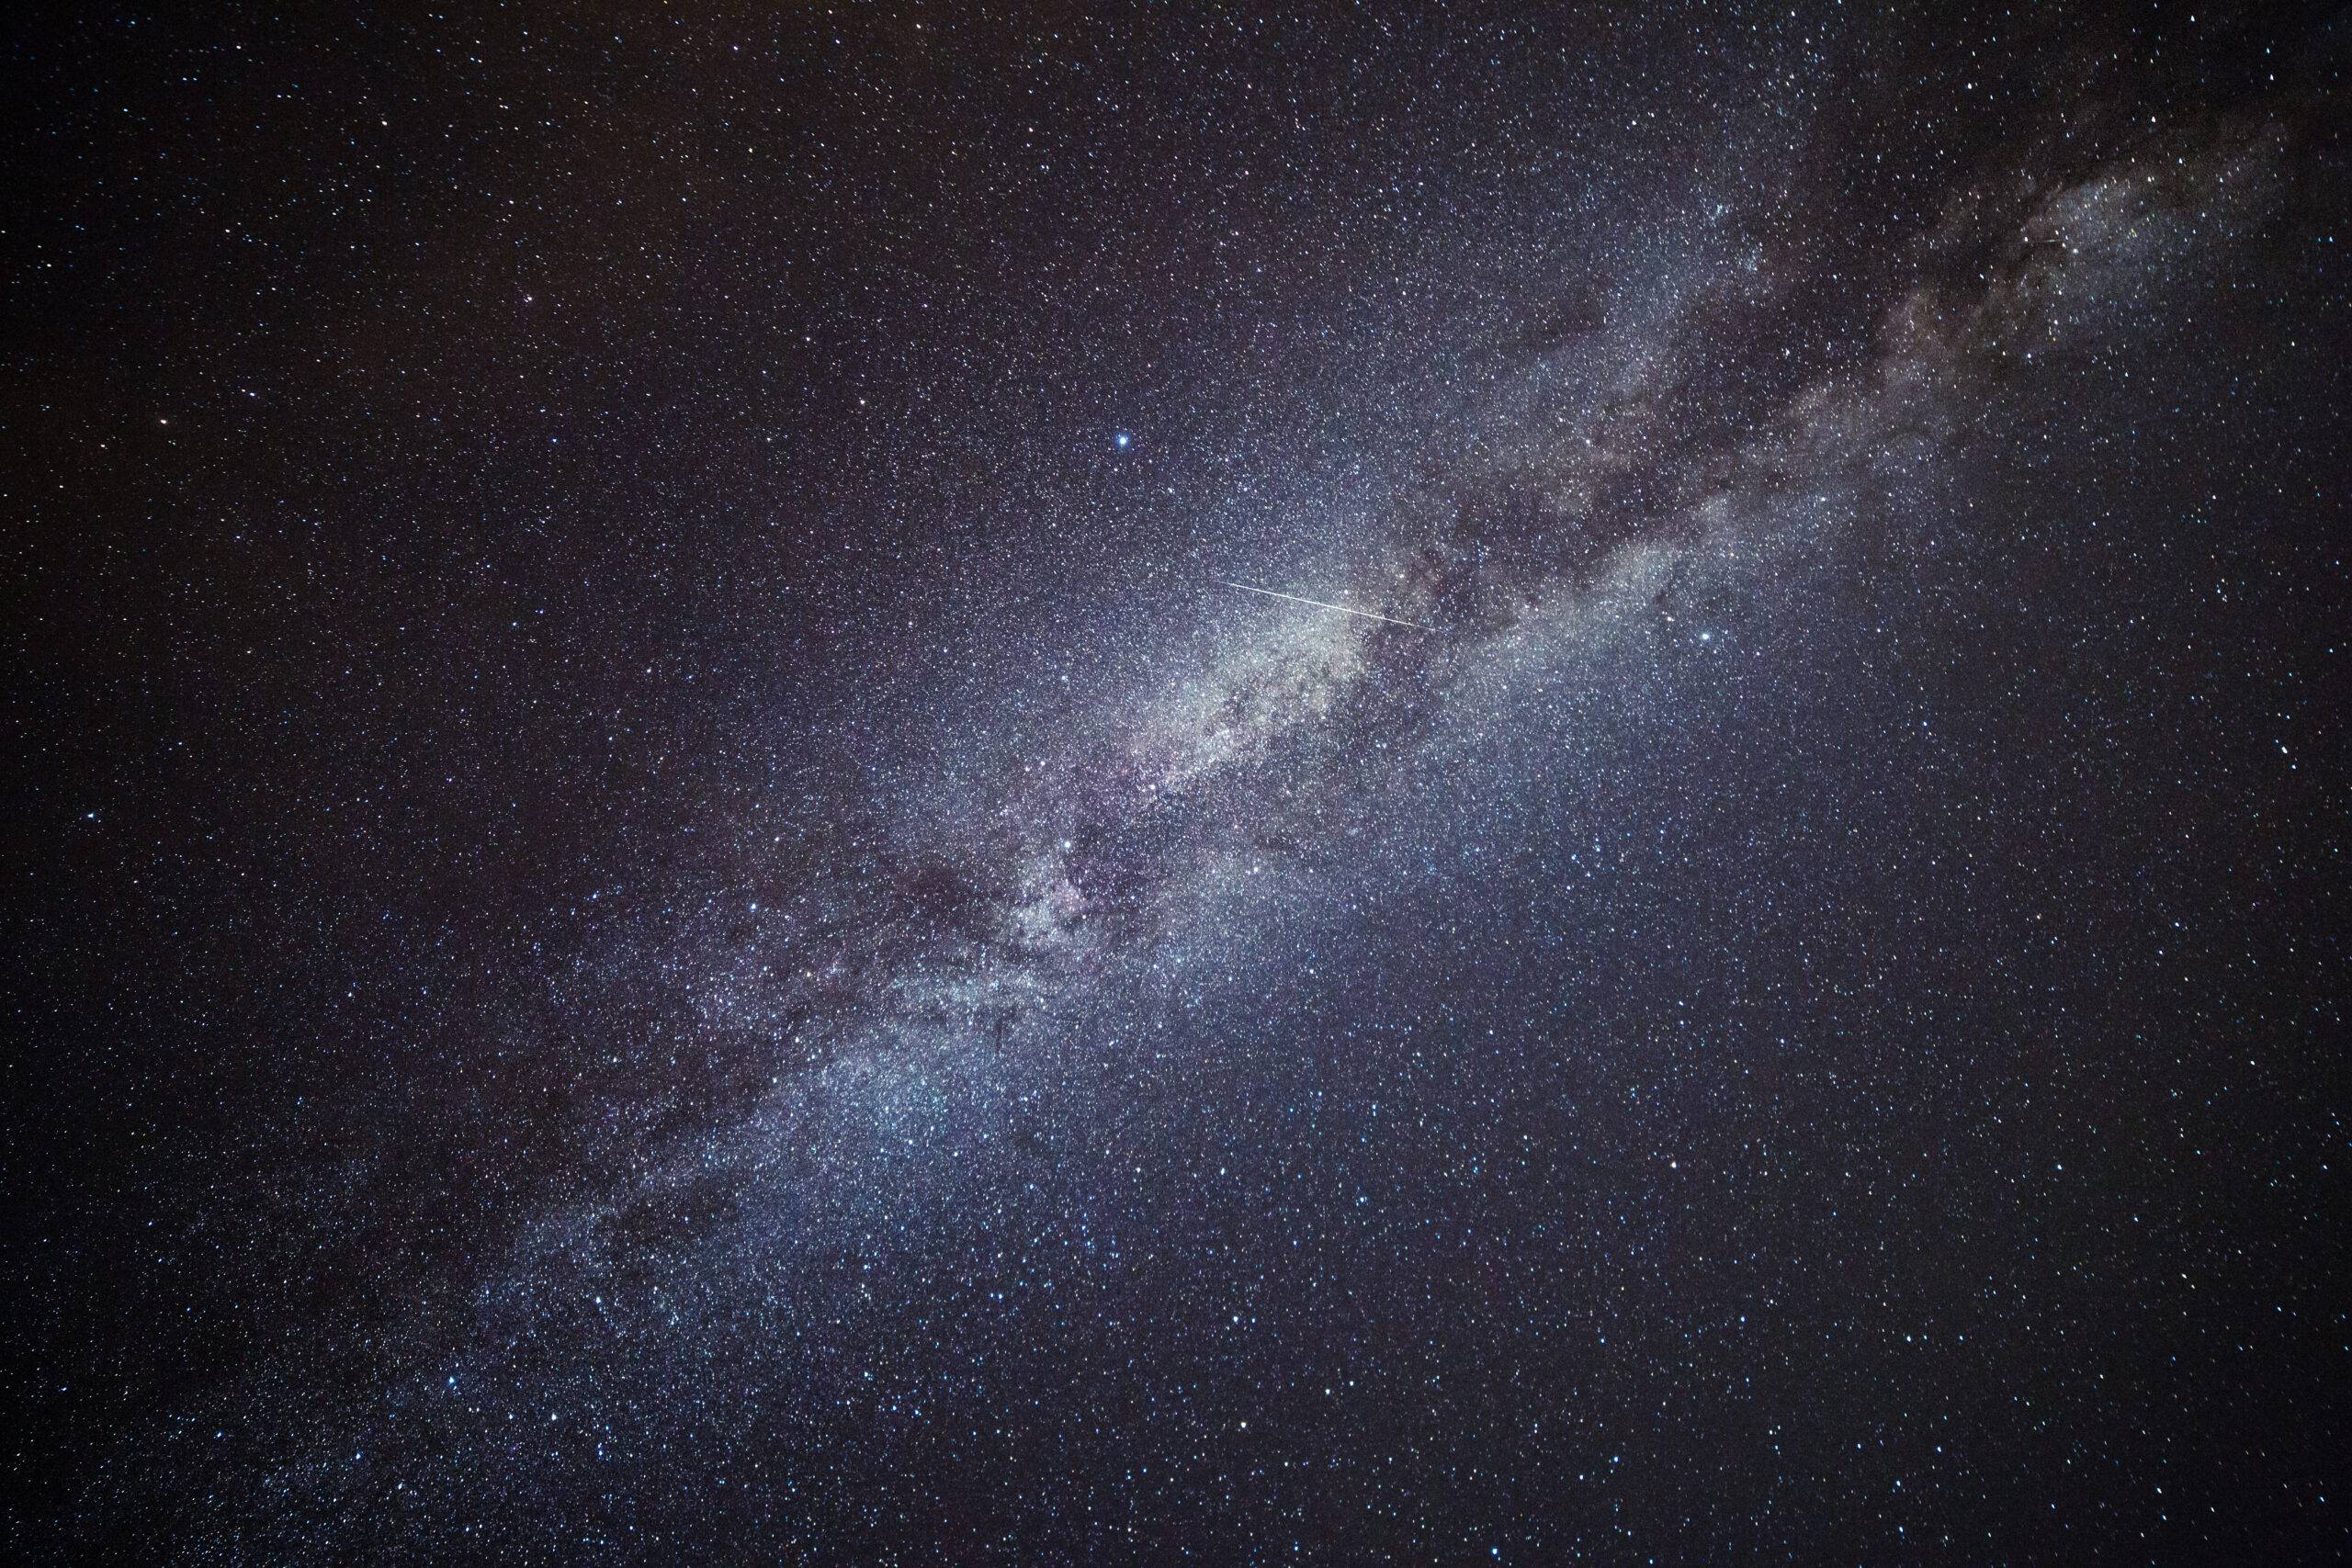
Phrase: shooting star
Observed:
(1319, 604)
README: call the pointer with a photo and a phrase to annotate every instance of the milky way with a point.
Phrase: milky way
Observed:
(1068, 787)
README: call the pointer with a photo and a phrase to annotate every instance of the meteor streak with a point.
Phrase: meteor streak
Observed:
(1319, 604)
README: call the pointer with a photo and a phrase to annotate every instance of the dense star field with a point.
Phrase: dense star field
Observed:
(679, 890)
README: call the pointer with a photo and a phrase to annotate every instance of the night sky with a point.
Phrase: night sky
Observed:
(676, 888)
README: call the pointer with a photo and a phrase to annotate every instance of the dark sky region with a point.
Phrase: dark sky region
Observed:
(663, 905)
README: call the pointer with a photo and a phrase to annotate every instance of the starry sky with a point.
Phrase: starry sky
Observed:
(679, 890)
